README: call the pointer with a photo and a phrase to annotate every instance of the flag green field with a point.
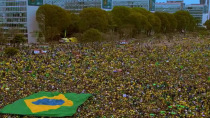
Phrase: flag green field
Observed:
(51, 104)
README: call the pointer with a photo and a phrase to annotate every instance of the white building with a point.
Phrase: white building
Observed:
(19, 16)
(13, 15)
(169, 7)
(198, 11)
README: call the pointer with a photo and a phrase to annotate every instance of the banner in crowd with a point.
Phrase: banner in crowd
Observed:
(106, 4)
(49, 104)
(151, 5)
(38, 51)
(35, 2)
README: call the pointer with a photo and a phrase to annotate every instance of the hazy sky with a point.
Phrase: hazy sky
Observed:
(185, 1)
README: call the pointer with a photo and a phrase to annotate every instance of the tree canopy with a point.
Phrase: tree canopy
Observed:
(207, 24)
(93, 18)
(172, 22)
(155, 23)
(141, 11)
(185, 20)
(120, 14)
(165, 24)
(92, 35)
(2, 38)
(52, 20)
(18, 39)
(11, 51)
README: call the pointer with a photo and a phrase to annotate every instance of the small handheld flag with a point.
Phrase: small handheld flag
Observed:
(162, 112)
(152, 114)
(157, 63)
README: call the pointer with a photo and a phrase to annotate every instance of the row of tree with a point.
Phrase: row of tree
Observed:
(207, 24)
(14, 39)
(128, 22)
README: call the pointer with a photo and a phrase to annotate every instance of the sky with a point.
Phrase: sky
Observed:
(185, 1)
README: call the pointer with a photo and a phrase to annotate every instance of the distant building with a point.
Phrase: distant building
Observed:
(75, 6)
(110, 4)
(198, 11)
(13, 17)
(147, 4)
(203, 1)
(174, 1)
(169, 6)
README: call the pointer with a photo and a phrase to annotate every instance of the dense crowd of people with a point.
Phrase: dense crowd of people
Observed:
(126, 80)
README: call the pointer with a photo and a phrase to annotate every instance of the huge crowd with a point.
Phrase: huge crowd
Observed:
(131, 80)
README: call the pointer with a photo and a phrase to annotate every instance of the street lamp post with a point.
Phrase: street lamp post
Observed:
(44, 29)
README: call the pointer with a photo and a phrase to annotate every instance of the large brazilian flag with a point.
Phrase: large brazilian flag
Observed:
(52, 104)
